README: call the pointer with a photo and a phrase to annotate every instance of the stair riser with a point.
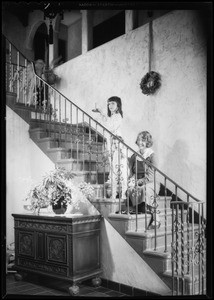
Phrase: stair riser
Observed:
(158, 264)
(78, 146)
(142, 222)
(161, 265)
(149, 243)
(121, 227)
(80, 166)
(93, 178)
(74, 138)
(188, 286)
(62, 127)
(59, 154)
(36, 135)
(56, 155)
(83, 156)
(57, 127)
(107, 208)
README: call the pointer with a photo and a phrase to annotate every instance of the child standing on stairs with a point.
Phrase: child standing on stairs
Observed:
(145, 178)
(115, 150)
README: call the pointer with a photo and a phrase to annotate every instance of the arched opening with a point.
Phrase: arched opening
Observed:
(40, 43)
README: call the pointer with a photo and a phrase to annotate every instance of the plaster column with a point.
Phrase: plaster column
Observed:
(51, 53)
(129, 20)
(87, 31)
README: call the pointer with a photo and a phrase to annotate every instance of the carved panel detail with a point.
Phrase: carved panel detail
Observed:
(42, 267)
(56, 249)
(26, 244)
(42, 226)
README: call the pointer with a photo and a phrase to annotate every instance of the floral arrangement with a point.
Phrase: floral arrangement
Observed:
(150, 83)
(58, 186)
(87, 189)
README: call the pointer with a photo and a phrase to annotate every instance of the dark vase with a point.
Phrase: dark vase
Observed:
(60, 207)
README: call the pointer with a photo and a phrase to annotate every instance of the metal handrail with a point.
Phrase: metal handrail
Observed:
(115, 137)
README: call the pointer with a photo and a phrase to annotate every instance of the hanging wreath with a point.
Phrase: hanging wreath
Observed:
(150, 83)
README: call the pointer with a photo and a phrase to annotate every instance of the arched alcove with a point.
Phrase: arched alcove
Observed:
(32, 31)
(40, 43)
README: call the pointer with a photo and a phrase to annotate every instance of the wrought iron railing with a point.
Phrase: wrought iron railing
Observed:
(97, 155)
(188, 248)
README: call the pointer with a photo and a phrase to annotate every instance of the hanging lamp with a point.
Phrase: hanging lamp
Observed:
(151, 82)
(51, 9)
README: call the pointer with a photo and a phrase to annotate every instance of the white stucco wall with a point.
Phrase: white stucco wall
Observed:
(74, 47)
(120, 263)
(176, 114)
(25, 166)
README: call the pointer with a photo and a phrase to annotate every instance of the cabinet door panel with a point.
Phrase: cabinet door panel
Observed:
(56, 248)
(85, 260)
(26, 243)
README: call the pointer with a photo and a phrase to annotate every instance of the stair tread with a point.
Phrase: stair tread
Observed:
(62, 140)
(52, 149)
(188, 277)
(159, 232)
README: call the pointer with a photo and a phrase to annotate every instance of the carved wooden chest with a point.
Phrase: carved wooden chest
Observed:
(66, 248)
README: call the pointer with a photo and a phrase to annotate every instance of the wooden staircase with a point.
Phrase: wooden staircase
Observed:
(73, 154)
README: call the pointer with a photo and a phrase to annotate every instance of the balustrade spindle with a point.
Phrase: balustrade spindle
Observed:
(10, 68)
(136, 194)
(91, 145)
(193, 250)
(177, 245)
(54, 115)
(105, 163)
(77, 140)
(60, 122)
(203, 251)
(97, 153)
(188, 237)
(66, 128)
(49, 111)
(71, 124)
(18, 77)
(83, 140)
(165, 215)
(173, 250)
(155, 210)
(182, 250)
(199, 246)
(25, 82)
(146, 204)
(119, 175)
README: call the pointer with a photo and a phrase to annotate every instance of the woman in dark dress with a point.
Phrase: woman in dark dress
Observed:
(147, 189)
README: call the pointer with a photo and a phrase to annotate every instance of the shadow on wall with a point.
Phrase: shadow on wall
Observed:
(185, 173)
(106, 255)
(177, 161)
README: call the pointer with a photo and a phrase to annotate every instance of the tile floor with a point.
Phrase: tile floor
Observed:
(38, 286)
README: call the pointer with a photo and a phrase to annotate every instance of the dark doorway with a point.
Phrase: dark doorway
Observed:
(40, 43)
(109, 29)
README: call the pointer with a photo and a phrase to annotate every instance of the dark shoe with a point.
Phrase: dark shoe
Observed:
(153, 225)
(123, 212)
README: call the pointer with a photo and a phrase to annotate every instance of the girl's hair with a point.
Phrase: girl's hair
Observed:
(119, 105)
(145, 136)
